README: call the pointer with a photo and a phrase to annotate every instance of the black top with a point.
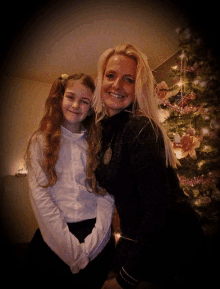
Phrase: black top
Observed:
(145, 190)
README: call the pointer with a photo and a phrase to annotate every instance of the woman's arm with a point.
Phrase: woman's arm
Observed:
(147, 161)
(53, 226)
(96, 241)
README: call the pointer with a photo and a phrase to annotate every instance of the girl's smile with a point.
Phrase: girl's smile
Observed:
(76, 105)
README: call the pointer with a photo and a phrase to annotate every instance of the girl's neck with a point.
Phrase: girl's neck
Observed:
(73, 127)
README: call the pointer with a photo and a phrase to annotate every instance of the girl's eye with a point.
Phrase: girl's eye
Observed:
(70, 97)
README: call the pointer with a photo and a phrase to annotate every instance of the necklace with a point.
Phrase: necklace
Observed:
(108, 153)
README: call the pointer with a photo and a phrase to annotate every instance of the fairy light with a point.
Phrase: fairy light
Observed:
(178, 154)
(196, 81)
(182, 55)
(118, 236)
(203, 83)
(180, 83)
(200, 164)
(205, 131)
(206, 117)
(207, 149)
(174, 67)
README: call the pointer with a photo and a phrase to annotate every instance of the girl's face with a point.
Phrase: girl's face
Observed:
(118, 86)
(76, 105)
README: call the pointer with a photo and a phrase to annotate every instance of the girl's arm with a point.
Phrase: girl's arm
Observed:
(53, 226)
(96, 241)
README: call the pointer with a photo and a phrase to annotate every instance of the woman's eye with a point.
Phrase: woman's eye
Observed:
(130, 80)
(110, 75)
(85, 102)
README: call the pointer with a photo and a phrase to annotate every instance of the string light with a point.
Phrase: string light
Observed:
(207, 149)
(182, 55)
(180, 83)
(205, 131)
(196, 81)
(203, 83)
(118, 236)
(200, 164)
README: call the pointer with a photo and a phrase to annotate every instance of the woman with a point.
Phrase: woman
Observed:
(161, 237)
(73, 244)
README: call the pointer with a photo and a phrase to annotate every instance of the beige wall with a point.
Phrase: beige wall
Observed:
(162, 72)
(18, 221)
(22, 109)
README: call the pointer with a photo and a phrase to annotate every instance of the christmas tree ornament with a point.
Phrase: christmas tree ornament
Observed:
(178, 98)
(162, 89)
(215, 124)
(177, 138)
(191, 131)
(187, 146)
(186, 100)
(196, 193)
(205, 131)
(202, 201)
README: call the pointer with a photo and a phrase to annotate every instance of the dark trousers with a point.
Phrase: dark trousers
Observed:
(176, 258)
(46, 268)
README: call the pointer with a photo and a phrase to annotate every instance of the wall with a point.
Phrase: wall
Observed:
(18, 220)
(22, 107)
(162, 72)
(21, 111)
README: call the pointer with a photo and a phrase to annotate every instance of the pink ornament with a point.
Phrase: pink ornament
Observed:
(191, 131)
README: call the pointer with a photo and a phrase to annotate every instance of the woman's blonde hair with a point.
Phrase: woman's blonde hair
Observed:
(145, 101)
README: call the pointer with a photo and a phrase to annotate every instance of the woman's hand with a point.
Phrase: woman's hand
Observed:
(111, 284)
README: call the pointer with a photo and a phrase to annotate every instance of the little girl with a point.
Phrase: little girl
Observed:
(73, 244)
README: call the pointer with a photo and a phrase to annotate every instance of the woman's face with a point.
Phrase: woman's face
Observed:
(118, 86)
(76, 105)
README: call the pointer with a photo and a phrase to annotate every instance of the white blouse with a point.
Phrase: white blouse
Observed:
(68, 201)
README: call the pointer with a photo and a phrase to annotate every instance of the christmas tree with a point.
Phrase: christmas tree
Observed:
(190, 113)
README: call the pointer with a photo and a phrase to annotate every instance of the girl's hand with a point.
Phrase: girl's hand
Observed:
(111, 284)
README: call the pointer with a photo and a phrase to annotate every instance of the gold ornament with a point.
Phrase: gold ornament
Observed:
(107, 156)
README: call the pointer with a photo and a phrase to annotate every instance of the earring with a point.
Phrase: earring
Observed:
(104, 108)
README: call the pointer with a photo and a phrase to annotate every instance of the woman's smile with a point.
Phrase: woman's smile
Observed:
(117, 95)
(118, 86)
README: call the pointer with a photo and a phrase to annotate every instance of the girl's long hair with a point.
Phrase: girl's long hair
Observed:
(50, 129)
(145, 102)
